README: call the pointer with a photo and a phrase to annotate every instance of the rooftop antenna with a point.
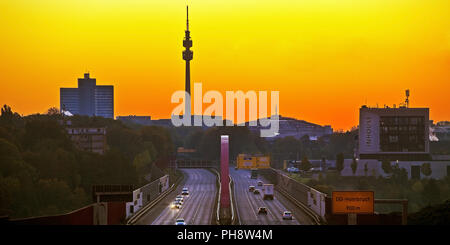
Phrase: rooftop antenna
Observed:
(407, 98)
(187, 17)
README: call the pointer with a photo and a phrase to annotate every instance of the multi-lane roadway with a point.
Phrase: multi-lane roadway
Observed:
(197, 208)
(247, 203)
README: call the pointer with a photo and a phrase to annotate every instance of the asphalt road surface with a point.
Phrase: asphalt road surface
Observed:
(248, 203)
(197, 208)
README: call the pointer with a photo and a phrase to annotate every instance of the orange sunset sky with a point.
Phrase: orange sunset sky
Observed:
(326, 57)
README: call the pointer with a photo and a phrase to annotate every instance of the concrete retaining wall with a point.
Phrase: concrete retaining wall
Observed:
(146, 194)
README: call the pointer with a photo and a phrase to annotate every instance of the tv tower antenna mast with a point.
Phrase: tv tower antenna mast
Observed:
(187, 56)
(407, 98)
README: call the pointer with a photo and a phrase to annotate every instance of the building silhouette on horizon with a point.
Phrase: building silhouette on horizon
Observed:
(88, 99)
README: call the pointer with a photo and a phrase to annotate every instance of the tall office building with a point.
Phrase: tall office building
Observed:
(88, 99)
(394, 133)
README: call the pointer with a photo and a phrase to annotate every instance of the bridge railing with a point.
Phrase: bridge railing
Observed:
(192, 163)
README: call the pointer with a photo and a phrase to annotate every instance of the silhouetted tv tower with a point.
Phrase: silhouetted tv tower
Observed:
(187, 56)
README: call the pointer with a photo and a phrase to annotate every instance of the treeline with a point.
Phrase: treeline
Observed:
(431, 215)
(243, 140)
(43, 173)
(328, 147)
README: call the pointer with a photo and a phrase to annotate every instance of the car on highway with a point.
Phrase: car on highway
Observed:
(185, 191)
(256, 191)
(293, 170)
(316, 170)
(287, 215)
(251, 188)
(260, 183)
(180, 221)
(176, 204)
(262, 210)
(180, 199)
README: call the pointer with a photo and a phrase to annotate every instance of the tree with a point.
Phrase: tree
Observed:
(399, 175)
(6, 111)
(431, 215)
(417, 186)
(354, 166)
(323, 164)
(53, 111)
(305, 165)
(386, 166)
(431, 192)
(161, 139)
(425, 169)
(340, 162)
(193, 140)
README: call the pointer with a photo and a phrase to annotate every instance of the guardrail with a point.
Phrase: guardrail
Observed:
(231, 186)
(218, 198)
(233, 210)
(314, 217)
(133, 219)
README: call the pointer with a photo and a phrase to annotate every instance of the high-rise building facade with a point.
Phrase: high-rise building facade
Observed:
(88, 99)
(394, 133)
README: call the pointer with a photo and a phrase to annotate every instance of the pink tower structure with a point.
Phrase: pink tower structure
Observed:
(224, 172)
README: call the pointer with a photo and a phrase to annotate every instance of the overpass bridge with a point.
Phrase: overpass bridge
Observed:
(193, 163)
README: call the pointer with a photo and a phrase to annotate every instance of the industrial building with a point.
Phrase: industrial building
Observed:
(88, 99)
(141, 120)
(400, 135)
(440, 131)
(295, 128)
(394, 133)
(89, 139)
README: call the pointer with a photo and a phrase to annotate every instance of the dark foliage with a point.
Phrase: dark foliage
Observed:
(43, 173)
(431, 215)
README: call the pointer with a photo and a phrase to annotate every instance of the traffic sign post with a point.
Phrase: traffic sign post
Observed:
(352, 203)
(352, 219)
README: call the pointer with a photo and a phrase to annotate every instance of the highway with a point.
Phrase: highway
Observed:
(248, 203)
(198, 207)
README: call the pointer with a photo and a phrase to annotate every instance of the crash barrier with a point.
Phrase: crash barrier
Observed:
(102, 213)
(319, 206)
(309, 199)
(149, 205)
(313, 216)
(146, 194)
(218, 185)
(234, 219)
(110, 208)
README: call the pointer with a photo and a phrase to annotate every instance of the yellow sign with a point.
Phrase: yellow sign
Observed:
(352, 202)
